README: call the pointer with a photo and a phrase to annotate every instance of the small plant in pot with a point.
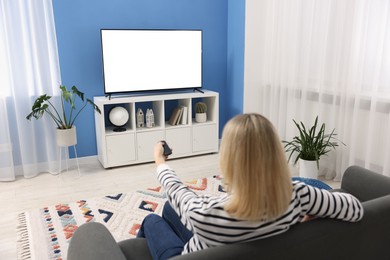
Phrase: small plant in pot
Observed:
(200, 112)
(309, 146)
(66, 131)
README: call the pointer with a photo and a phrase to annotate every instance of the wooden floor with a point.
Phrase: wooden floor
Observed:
(94, 181)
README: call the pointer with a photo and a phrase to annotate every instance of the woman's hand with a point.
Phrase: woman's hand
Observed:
(159, 157)
(308, 218)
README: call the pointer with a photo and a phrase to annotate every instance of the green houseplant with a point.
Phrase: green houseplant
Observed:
(311, 143)
(200, 112)
(63, 118)
(200, 107)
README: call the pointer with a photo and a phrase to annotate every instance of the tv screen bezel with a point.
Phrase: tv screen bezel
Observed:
(157, 89)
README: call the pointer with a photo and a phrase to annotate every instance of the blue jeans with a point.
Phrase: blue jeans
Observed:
(166, 235)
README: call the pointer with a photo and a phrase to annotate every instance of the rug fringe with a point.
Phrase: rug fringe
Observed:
(23, 248)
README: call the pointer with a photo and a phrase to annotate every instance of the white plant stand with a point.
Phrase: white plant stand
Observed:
(65, 139)
(67, 159)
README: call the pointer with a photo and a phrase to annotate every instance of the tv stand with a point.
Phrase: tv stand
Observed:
(135, 144)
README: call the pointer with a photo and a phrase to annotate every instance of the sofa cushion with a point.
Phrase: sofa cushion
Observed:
(313, 182)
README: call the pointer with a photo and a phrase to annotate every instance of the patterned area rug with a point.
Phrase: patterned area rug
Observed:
(45, 233)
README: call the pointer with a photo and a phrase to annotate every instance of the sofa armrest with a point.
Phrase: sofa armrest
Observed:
(92, 241)
(365, 184)
(135, 249)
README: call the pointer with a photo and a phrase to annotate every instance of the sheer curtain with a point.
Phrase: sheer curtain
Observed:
(28, 68)
(328, 58)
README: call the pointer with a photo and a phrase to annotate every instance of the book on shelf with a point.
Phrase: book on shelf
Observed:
(184, 117)
(179, 116)
(174, 116)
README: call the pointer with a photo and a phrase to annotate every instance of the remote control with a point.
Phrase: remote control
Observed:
(167, 149)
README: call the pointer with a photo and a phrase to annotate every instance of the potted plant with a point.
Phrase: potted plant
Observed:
(200, 112)
(309, 146)
(66, 131)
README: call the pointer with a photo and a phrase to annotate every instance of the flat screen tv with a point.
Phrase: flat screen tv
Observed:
(150, 60)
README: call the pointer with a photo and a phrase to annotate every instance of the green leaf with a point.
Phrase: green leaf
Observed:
(95, 107)
(78, 93)
(66, 94)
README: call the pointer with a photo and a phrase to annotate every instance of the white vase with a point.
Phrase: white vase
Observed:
(308, 169)
(66, 137)
(200, 117)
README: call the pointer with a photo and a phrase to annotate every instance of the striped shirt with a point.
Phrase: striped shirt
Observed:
(205, 216)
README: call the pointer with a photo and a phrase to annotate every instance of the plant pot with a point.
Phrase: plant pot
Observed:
(200, 117)
(66, 137)
(308, 169)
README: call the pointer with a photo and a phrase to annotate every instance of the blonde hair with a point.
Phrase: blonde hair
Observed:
(254, 168)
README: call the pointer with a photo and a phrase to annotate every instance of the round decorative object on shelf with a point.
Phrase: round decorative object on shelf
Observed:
(118, 117)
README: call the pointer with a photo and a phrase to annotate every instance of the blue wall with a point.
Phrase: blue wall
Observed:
(78, 25)
(235, 58)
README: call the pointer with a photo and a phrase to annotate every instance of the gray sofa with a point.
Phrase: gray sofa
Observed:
(317, 239)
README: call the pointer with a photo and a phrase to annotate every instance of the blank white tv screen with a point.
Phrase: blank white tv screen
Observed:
(143, 60)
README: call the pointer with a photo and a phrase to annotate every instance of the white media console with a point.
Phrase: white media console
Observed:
(135, 144)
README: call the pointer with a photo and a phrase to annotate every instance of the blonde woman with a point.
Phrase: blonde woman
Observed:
(261, 199)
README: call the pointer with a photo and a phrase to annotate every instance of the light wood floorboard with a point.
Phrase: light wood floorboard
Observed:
(95, 181)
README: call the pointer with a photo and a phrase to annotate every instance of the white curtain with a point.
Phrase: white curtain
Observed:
(28, 68)
(329, 58)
